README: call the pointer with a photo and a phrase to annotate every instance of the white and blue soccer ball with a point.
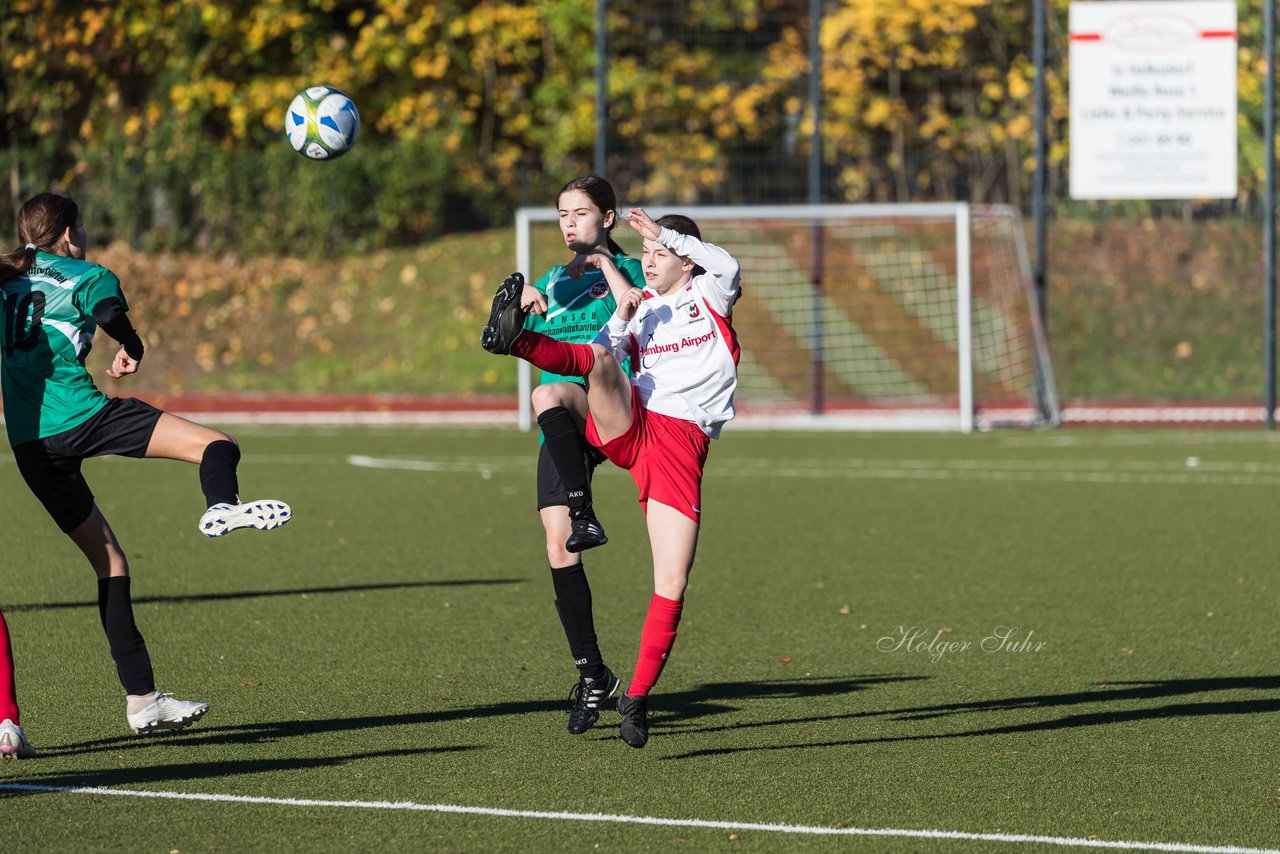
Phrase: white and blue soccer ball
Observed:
(322, 123)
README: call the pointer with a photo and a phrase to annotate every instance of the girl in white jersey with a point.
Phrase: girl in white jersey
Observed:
(54, 303)
(657, 425)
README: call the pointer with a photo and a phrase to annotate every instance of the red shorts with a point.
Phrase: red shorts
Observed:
(665, 456)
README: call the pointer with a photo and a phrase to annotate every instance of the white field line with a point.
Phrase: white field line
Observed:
(809, 830)
(1077, 471)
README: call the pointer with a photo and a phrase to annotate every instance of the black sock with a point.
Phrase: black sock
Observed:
(568, 454)
(218, 473)
(129, 650)
(573, 603)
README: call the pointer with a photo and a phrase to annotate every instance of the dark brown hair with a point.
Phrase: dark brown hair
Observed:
(601, 194)
(683, 225)
(42, 220)
(680, 223)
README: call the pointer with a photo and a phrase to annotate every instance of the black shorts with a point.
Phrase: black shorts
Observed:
(51, 466)
(550, 489)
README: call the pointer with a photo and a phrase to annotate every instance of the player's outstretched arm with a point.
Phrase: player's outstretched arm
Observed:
(617, 333)
(113, 317)
(723, 272)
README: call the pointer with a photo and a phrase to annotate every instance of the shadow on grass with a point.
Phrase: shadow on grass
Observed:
(187, 771)
(1105, 693)
(261, 594)
(707, 700)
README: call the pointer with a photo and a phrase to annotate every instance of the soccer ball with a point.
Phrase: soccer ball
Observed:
(322, 123)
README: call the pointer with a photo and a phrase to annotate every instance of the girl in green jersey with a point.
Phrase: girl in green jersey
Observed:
(572, 303)
(54, 302)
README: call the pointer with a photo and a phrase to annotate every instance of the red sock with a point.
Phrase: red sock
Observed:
(558, 357)
(656, 640)
(8, 688)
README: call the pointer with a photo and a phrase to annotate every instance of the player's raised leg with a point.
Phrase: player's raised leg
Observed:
(609, 396)
(506, 317)
(218, 456)
(505, 335)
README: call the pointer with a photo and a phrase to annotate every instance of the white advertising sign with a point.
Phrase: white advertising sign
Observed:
(1153, 100)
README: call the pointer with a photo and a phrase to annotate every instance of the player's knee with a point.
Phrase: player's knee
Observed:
(112, 563)
(557, 555)
(605, 363)
(220, 452)
(670, 583)
(545, 397)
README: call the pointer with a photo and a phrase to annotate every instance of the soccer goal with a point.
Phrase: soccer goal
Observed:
(876, 317)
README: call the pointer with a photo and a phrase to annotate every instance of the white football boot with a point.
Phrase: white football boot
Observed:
(167, 713)
(263, 515)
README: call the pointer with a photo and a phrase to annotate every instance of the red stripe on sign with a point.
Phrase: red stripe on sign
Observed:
(1218, 34)
(1086, 37)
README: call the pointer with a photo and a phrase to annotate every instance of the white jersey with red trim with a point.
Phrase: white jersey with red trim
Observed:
(682, 345)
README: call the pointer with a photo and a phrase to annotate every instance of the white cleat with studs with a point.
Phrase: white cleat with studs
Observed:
(262, 515)
(167, 712)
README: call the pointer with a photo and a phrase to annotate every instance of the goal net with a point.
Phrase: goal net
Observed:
(913, 317)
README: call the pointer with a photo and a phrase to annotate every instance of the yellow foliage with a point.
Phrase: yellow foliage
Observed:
(1021, 127)
(498, 82)
(1019, 85)
(878, 112)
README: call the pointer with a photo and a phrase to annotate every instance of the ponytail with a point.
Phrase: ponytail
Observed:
(42, 220)
(613, 246)
(16, 263)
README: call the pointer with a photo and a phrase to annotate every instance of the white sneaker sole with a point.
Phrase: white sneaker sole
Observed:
(157, 724)
(259, 515)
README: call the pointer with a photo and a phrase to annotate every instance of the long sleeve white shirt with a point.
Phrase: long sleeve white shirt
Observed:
(682, 345)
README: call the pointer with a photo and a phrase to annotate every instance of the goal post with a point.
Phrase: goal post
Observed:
(864, 316)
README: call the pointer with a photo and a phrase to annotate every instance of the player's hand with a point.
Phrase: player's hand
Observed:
(532, 301)
(123, 365)
(581, 263)
(630, 303)
(643, 223)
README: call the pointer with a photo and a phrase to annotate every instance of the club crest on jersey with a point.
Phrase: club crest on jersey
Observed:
(599, 290)
(692, 309)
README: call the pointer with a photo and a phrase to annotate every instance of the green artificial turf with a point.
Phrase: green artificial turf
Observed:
(397, 642)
